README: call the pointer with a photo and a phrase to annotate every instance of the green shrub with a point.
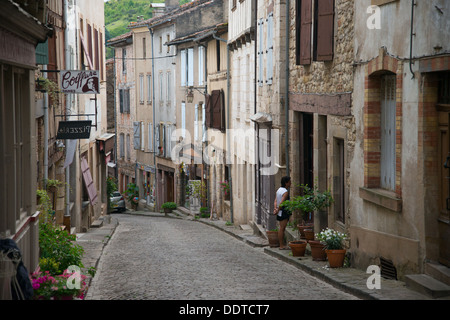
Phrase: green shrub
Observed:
(169, 205)
(58, 247)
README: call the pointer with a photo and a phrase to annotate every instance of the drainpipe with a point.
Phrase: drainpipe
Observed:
(288, 5)
(154, 123)
(68, 98)
(413, 3)
(230, 179)
(45, 133)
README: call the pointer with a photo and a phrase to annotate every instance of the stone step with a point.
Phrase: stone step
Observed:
(427, 285)
(438, 271)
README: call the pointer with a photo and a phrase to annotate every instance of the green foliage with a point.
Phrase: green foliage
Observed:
(58, 247)
(169, 205)
(204, 212)
(311, 200)
(44, 202)
(120, 13)
(132, 193)
(50, 265)
(333, 240)
(111, 186)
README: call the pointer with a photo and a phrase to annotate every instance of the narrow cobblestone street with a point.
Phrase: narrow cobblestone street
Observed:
(174, 259)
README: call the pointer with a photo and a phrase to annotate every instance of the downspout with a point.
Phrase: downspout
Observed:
(154, 124)
(413, 3)
(288, 5)
(230, 179)
(68, 100)
(45, 133)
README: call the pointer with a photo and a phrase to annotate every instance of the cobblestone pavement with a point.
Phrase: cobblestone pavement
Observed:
(174, 259)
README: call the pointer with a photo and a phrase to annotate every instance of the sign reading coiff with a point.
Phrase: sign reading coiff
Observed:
(74, 129)
(84, 82)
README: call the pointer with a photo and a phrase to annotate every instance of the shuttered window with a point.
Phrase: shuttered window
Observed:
(183, 119)
(122, 145)
(260, 52)
(215, 111)
(204, 123)
(124, 97)
(150, 137)
(142, 136)
(269, 50)
(137, 135)
(201, 65)
(190, 75)
(303, 31)
(183, 68)
(324, 30)
(388, 132)
(196, 124)
(141, 88)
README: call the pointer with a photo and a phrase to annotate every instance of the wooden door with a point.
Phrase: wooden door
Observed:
(444, 187)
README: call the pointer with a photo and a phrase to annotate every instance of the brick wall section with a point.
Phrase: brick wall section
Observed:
(372, 112)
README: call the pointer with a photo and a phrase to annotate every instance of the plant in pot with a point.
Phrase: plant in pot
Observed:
(309, 201)
(272, 236)
(133, 195)
(169, 206)
(334, 246)
(298, 247)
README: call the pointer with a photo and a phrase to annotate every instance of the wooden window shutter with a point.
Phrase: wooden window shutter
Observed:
(137, 135)
(217, 107)
(324, 31)
(303, 32)
(121, 100)
(208, 111)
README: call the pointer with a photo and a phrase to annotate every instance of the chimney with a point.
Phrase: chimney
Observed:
(172, 4)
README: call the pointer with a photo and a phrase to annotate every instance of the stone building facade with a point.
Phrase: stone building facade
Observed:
(322, 127)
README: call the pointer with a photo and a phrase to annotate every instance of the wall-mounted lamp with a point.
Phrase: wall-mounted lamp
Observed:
(190, 95)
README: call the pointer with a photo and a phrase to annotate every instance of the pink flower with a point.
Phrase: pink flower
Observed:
(36, 285)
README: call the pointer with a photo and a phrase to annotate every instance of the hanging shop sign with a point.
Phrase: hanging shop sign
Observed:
(81, 82)
(74, 129)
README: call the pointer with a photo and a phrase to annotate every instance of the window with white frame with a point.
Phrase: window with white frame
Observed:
(141, 89)
(149, 89)
(201, 65)
(190, 61)
(183, 67)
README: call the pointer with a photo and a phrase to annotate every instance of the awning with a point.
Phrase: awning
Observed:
(106, 143)
(261, 117)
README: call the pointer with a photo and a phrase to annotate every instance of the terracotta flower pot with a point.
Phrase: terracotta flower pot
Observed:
(298, 248)
(309, 234)
(301, 229)
(317, 250)
(272, 236)
(336, 258)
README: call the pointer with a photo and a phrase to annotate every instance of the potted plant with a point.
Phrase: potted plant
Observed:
(58, 287)
(298, 247)
(133, 195)
(272, 236)
(226, 189)
(334, 246)
(309, 201)
(169, 206)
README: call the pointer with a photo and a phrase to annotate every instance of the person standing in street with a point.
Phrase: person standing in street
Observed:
(283, 215)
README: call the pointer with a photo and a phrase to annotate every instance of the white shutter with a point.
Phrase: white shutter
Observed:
(183, 119)
(190, 67)
(183, 67)
(142, 136)
(149, 89)
(260, 53)
(168, 140)
(196, 123)
(150, 136)
(201, 62)
(388, 132)
(269, 57)
(141, 88)
(204, 122)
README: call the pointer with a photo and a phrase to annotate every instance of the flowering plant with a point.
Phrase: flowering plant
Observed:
(225, 187)
(49, 287)
(333, 240)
